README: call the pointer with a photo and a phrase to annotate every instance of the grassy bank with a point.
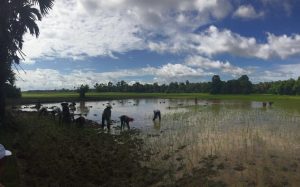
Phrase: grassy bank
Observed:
(30, 97)
(46, 154)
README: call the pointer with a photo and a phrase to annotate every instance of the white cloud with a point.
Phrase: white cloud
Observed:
(279, 72)
(208, 64)
(153, 13)
(287, 5)
(88, 28)
(71, 32)
(247, 12)
(176, 72)
(214, 41)
(46, 79)
(280, 46)
(78, 29)
(193, 68)
(292, 70)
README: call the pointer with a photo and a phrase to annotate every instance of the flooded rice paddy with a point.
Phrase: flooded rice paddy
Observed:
(142, 109)
(252, 144)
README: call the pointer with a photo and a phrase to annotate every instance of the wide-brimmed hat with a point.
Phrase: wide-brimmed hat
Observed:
(3, 152)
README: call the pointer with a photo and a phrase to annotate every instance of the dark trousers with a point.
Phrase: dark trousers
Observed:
(123, 122)
(157, 115)
(107, 121)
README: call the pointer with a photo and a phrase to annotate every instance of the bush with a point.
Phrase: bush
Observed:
(12, 91)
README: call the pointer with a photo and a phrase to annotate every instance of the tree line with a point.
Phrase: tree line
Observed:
(242, 85)
(285, 87)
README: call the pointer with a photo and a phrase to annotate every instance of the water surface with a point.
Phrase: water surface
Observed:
(142, 109)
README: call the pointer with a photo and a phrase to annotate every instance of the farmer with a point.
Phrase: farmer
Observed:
(125, 120)
(3, 153)
(66, 115)
(156, 115)
(106, 115)
(72, 106)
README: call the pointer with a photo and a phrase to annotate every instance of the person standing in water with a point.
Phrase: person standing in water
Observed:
(106, 116)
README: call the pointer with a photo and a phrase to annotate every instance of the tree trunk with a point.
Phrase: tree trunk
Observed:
(4, 63)
(3, 79)
(2, 102)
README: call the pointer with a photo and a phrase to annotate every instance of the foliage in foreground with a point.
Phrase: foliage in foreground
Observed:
(12, 91)
(16, 19)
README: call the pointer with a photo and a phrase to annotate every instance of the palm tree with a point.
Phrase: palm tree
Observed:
(16, 18)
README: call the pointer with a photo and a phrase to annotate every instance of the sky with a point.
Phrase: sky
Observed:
(97, 41)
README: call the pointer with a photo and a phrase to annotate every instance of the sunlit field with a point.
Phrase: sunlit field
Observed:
(225, 142)
(53, 96)
(247, 147)
(149, 93)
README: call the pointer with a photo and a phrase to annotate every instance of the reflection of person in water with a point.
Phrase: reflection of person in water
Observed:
(156, 125)
(38, 105)
(83, 108)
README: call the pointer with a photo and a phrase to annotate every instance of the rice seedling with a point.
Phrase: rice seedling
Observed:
(248, 144)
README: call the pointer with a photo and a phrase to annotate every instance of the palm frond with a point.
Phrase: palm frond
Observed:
(32, 27)
(45, 5)
(37, 13)
(27, 19)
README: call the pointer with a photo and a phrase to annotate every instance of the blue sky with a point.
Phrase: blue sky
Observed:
(96, 41)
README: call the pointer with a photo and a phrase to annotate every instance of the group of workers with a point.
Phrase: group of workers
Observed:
(106, 118)
(66, 115)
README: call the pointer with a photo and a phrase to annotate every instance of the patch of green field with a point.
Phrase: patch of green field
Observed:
(48, 94)
(28, 97)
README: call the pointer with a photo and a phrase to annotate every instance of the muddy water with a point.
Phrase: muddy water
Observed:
(142, 109)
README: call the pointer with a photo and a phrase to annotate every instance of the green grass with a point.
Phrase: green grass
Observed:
(49, 94)
(29, 97)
